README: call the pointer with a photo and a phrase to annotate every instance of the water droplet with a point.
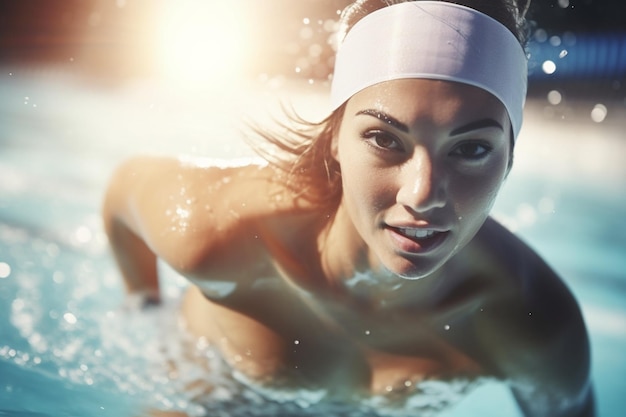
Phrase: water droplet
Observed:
(446, 327)
(296, 342)
(563, 53)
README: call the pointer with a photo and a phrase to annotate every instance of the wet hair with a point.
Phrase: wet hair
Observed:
(303, 148)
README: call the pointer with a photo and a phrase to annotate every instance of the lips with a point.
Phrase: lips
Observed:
(416, 240)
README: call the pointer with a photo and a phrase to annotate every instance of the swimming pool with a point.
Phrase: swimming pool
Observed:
(67, 348)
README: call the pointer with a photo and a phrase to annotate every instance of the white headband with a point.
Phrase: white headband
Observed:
(433, 40)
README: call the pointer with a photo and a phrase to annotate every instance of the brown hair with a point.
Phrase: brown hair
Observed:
(304, 148)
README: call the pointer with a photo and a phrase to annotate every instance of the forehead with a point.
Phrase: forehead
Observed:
(444, 102)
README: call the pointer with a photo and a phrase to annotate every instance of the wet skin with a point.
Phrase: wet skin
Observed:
(407, 280)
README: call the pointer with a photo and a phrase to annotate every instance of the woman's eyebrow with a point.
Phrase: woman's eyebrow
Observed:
(478, 124)
(385, 118)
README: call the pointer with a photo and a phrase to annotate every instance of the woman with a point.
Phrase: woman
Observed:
(362, 258)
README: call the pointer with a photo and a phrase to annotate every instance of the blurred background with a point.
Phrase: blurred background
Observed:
(580, 42)
(85, 83)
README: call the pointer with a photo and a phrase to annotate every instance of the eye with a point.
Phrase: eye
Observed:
(471, 150)
(383, 140)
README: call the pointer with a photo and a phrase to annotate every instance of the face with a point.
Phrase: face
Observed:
(421, 164)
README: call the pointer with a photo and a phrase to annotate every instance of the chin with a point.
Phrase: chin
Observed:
(412, 271)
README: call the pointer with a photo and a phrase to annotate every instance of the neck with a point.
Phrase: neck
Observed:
(354, 271)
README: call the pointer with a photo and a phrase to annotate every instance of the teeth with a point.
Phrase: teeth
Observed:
(418, 233)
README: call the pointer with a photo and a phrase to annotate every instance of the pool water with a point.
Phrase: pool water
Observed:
(69, 346)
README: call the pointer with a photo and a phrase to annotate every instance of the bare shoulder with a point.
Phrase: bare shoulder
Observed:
(192, 211)
(533, 328)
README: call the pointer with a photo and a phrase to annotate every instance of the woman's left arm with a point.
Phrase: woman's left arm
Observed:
(535, 336)
(558, 355)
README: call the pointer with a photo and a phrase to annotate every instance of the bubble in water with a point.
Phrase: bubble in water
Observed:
(599, 112)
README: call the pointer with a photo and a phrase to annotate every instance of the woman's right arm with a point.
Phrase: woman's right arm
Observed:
(148, 212)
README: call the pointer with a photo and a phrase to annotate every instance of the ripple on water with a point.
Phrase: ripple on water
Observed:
(71, 325)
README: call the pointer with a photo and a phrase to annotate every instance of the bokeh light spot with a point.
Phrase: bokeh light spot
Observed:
(549, 67)
(599, 113)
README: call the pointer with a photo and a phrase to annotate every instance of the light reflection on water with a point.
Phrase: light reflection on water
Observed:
(59, 315)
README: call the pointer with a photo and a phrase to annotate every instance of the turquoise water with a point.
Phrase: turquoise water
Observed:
(68, 348)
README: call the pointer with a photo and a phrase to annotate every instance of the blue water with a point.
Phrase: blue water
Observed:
(68, 348)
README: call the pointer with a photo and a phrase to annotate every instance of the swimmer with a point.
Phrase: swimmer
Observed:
(361, 257)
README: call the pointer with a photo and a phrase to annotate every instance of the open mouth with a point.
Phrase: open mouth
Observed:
(415, 240)
(417, 233)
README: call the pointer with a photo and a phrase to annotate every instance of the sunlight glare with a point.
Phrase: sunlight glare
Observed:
(202, 43)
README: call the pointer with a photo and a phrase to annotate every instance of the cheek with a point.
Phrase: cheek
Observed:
(474, 196)
(367, 190)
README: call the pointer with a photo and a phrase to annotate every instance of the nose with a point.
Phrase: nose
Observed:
(421, 189)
